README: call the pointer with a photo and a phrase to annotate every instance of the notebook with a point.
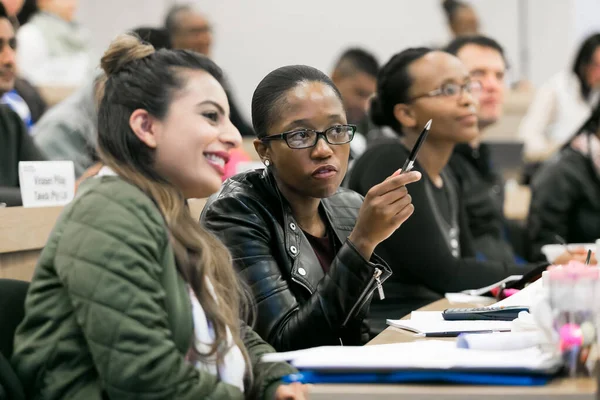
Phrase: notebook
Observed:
(429, 322)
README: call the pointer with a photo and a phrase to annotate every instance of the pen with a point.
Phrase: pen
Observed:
(408, 164)
(455, 333)
(589, 256)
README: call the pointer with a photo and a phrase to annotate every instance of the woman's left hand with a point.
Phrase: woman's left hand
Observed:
(294, 391)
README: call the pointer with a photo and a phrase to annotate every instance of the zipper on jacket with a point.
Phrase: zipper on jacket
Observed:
(377, 276)
(375, 280)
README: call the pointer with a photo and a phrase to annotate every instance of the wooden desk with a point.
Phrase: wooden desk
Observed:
(23, 233)
(564, 389)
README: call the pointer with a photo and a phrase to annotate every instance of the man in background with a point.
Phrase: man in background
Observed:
(190, 30)
(482, 187)
(15, 143)
(355, 75)
(23, 98)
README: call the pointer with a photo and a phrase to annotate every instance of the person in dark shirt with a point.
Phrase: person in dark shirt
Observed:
(190, 30)
(433, 252)
(565, 193)
(15, 145)
(303, 244)
(480, 186)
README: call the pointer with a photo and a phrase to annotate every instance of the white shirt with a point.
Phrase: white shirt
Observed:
(41, 69)
(558, 110)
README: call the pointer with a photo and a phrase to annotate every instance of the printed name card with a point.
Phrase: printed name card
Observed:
(46, 183)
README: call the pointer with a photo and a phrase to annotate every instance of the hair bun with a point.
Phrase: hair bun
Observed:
(376, 112)
(123, 50)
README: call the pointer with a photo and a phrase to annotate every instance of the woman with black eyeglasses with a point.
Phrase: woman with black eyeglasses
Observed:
(304, 245)
(433, 252)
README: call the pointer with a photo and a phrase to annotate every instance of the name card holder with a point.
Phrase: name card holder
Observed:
(46, 183)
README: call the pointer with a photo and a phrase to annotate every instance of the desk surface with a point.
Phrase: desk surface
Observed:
(564, 389)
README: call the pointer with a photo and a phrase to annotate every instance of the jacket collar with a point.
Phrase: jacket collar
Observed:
(306, 269)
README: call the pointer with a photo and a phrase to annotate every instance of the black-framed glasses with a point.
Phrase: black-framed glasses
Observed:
(453, 90)
(305, 138)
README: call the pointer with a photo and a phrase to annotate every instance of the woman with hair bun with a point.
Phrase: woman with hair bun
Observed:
(131, 298)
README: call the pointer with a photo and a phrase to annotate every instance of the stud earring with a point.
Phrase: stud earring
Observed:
(267, 163)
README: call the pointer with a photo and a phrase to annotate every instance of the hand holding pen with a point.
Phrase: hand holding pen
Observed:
(386, 206)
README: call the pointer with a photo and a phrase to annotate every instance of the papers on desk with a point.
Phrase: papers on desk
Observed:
(432, 322)
(528, 297)
(427, 355)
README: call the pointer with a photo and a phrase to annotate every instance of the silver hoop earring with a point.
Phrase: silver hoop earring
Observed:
(267, 163)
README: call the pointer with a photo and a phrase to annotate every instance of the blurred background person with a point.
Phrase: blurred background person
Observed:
(462, 18)
(565, 197)
(18, 93)
(355, 76)
(563, 103)
(68, 130)
(480, 184)
(54, 50)
(190, 29)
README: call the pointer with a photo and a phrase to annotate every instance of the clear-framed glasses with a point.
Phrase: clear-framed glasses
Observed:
(305, 138)
(453, 90)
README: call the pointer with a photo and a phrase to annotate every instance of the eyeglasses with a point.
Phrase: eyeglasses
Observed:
(453, 90)
(305, 138)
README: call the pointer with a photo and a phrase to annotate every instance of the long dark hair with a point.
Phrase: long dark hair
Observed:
(393, 86)
(582, 61)
(138, 77)
(269, 95)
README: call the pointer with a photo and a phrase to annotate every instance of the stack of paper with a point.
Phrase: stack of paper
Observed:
(432, 322)
(419, 355)
(528, 297)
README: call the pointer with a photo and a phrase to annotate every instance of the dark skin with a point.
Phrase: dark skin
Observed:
(454, 118)
(315, 105)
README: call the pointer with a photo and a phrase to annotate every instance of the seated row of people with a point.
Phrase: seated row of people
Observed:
(137, 296)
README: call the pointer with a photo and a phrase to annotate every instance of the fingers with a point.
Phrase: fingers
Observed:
(403, 215)
(294, 391)
(394, 182)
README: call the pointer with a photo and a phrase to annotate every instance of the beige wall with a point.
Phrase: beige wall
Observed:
(252, 37)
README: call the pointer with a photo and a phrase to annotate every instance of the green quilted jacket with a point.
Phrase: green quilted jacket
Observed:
(107, 314)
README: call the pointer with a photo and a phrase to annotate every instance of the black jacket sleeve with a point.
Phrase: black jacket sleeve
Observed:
(554, 193)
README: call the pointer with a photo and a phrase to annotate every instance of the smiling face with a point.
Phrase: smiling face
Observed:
(317, 171)
(454, 117)
(193, 140)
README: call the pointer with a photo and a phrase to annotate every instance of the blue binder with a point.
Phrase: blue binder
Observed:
(456, 377)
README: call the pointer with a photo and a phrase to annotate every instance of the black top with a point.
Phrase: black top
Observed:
(420, 252)
(31, 96)
(483, 197)
(565, 200)
(324, 248)
(15, 145)
(298, 304)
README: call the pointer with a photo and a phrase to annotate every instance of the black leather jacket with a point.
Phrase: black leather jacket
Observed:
(299, 306)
